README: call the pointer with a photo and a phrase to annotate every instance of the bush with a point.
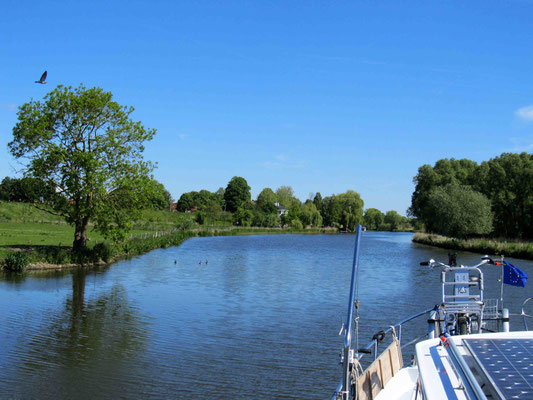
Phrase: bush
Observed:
(296, 224)
(57, 255)
(17, 261)
(102, 251)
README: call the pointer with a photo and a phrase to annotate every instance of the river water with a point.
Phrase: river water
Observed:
(259, 320)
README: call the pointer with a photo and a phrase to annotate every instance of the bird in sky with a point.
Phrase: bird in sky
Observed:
(43, 78)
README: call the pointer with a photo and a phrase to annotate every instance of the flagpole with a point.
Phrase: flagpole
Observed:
(501, 291)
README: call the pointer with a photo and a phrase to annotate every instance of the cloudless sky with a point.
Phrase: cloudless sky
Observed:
(318, 95)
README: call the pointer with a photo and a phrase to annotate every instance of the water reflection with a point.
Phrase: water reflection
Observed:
(85, 342)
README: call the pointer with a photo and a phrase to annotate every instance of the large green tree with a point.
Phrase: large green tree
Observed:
(237, 194)
(458, 211)
(285, 197)
(373, 218)
(85, 145)
(266, 200)
(508, 182)
(445, 171)
(393, 219)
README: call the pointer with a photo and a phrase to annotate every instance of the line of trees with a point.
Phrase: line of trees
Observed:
(282, 208)
(461, 198)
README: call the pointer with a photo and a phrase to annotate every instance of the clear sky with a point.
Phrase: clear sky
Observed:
(319, 95)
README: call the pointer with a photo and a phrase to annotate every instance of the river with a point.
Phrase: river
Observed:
(259, 320)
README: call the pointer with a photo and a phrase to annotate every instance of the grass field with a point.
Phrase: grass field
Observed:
(23, 226)
(48, 238)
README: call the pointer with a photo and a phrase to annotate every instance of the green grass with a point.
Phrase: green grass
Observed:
(510, 248)
(48, 238)
(25, 227)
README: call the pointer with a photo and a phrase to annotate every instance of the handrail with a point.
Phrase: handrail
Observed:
(471, 387)
(523, 313)
(374, 344)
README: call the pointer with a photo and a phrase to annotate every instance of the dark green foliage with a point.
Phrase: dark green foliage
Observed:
(509, 185)
(203, 200)
(445, 171)
(458, 211)
(344, 210)
(317, 201)
(266, 200)
(373, 218)
(55, 255)
(237, 194)
(186, 202)
(16, 261)
(103, 251)
(243, 217)
(393, 219)
(507, 181)
(158, 197)
(310, 216)
(27, 190)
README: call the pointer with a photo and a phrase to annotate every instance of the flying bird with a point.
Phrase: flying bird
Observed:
(43, 78)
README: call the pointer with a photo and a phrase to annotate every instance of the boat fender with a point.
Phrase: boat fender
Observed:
(379, 336)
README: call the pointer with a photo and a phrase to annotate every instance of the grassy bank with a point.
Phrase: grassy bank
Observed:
(484, 246)
(46, 239)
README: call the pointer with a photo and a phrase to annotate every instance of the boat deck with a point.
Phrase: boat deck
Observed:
(500, 363)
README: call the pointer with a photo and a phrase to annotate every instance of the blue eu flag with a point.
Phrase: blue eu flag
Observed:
(513, 275)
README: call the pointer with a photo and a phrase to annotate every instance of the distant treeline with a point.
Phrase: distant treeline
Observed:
(461, 198)
(234, 205)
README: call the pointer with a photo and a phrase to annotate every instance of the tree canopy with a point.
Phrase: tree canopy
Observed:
(373, 218)
(507, 181)
(458, 211)
(85, 145)
(237, 194)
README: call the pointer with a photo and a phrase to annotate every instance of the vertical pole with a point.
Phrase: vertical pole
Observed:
(501, 290)
(353, 303)
(505, 317)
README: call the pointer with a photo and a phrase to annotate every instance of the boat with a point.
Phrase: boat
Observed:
(467, 352)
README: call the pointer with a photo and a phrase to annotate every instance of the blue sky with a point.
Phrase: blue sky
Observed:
(322, 96)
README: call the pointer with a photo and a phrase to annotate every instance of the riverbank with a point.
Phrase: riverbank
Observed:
(508, 248)
(51, 258)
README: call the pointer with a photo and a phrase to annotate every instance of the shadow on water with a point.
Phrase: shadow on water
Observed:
(83, 344)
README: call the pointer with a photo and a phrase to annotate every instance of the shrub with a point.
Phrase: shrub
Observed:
(296, 224)
(102, 251)
(17, 261)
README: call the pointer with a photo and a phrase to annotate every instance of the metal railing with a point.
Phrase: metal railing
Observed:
(374, 343)
(523, 313)
(470, 385)
(343, 390)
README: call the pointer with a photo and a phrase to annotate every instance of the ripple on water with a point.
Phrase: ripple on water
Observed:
(261, 319)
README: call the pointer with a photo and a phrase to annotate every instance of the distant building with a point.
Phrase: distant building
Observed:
(281, 210)
(173, 206)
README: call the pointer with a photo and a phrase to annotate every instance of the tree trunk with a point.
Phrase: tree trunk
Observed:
(80, 234)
